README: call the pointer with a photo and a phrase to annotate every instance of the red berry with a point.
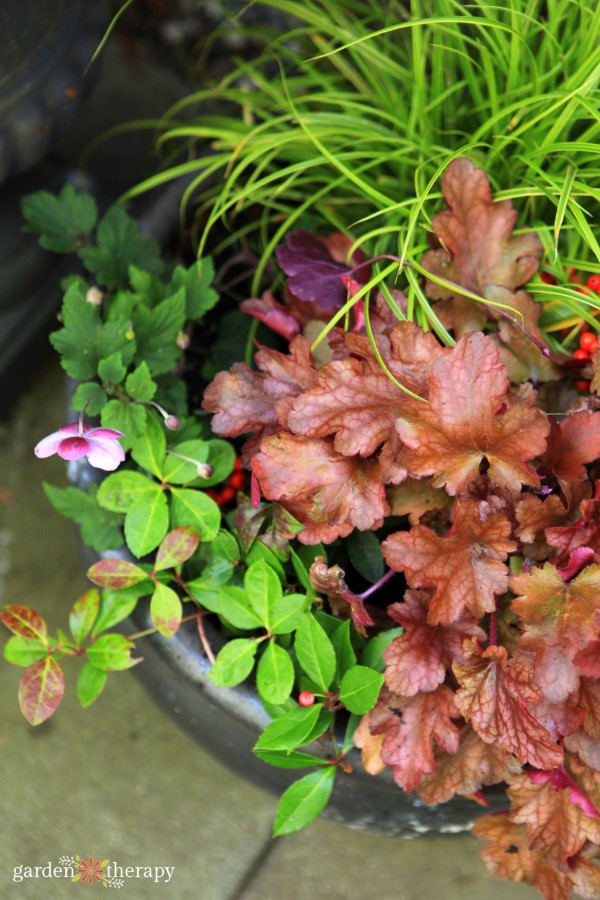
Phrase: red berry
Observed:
(239, 481)
(588, 342)
(582, 385)
(581, 354)
(237, 466)
(306, 698)
(584, 327)
(593, 283)
(547, 277)
(214, 495)
(227, 495)
(574, 277)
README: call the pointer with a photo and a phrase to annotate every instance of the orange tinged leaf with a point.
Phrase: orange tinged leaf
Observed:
(25, 622)
(571, 444)
(41, 689)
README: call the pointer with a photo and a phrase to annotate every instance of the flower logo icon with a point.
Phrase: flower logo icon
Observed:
(91, 870)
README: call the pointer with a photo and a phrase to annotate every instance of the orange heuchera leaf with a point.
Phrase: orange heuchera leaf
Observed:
(408, 744)
(41, 689)
(571, 444)
(328, 493)
(508, 855)
(583, 533)
(247, 401)
(589, 698)
(535, 515)
(417, 660)
(588, 660)
(555, 825)
(465, 566)
(494, 696)
(471, 417)
(584, 875)
(370, 746)
(413, 498)
(476, 233)
(474, 765)
(558, 620)
(522, 358)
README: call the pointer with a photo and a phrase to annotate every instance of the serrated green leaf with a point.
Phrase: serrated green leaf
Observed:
(364, 550)
(139, 384)
(263, 588)
(99, 528)
(120, 245)
(234, 662)
(83, 615)
(235, 607)
(147, 522)
(191, 507)
(315, 652)
(303, 801)
(22, 651)
(130, 418)
(359, 689)
(372, 653)
(90, 395)
(165, 610)
(286, 613)
(149, 449)
(156, 333)
(62, 219)
(149, 289)
(117, 605)
(90, 684)
(290, 731)
(274, 674)
(111, 652)
(119, 491)
(196, 281)
(294, 760)
(112, 369)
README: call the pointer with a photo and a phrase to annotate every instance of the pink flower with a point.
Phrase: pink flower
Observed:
(100, 445)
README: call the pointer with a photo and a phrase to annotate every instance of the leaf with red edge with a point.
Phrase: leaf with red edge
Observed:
(584, 875)
(534, 515)
(115, 573)
(314, 274)
(267, 310)
(41, 689)
(558, 620)
(417, 660)
(471, 416)
(555, 825)
(331, 582)
(474, 764)
(589, 698)
(476, 233)
(465, 566)
(328, 493)
(176, 547)
(494, 695)
(84, 614)
(24, 621)
(408, 744)
(585, 532)
(247, 401)
(165, 610)
(508, 855)
(571, 444)
(588, 660)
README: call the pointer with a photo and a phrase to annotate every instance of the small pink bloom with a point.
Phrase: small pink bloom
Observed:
(100, 445)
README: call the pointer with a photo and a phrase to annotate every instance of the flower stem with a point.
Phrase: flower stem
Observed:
(377, 585)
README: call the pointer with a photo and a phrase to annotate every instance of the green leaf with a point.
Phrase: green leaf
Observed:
(359, 689)
(315, 652)
(63, 220)
(234, 606)
(258, 551)
(130, 418)
(83, 615)
(90, 393)
(120, 245)
(165, 610)
(365, 555)
(344, 651)
(146, 523)
(100, 528)
(156, 333)
(41, 689)
(115, 573)
(372, 653)
(176, 547)
(234, 662)
(120, 491)
(293, 730)
(287, 612)
(274, 674)
(149, 289)
(111, 652)
(303, 801)
(112, 369)
(139, 384)
(22, 651)
(90, 684)
(301, 571)
(220, 455)
(117, 605)
(196, 281)
(294, 760)
(149, 449)
(191, 507)
(263, 588)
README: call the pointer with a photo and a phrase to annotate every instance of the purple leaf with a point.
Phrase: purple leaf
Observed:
(313, 273)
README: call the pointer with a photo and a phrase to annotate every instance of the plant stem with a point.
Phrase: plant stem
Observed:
(377, 585)
(210, 655)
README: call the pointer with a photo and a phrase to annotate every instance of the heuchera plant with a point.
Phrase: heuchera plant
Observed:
(460, 481)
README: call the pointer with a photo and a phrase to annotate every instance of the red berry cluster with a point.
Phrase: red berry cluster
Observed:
(588, 341)
(237, 481)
